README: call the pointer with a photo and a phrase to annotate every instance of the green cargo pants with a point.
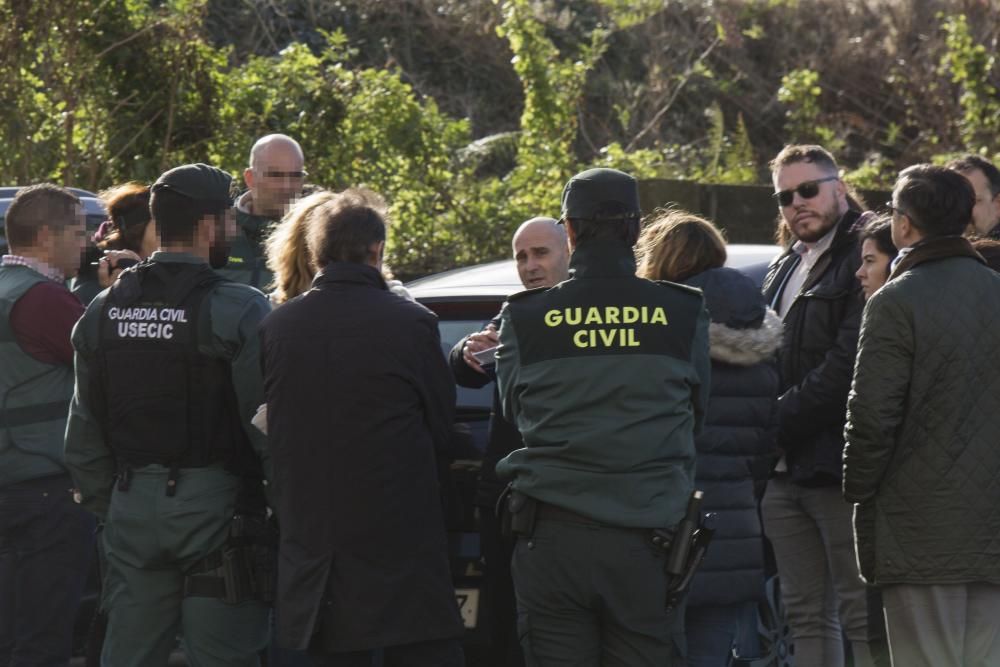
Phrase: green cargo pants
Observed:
(150, 539)
(590, 595)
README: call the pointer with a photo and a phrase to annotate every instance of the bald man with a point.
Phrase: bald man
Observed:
(274, 180)
(541, 252)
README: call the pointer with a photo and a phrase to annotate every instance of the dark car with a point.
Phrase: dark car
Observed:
(465, 300)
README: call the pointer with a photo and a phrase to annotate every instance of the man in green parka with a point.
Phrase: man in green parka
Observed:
(606, 375)
(274, 180)
(159, 439)
(922, 460)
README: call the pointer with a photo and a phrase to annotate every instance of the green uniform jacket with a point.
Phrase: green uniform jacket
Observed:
(234, 311)
(606, 376)
(33, 394)
(922, 455)
(247, 263)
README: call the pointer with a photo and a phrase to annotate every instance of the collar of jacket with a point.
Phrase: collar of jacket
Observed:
(602, 259)
(845, 235)
(253, 225)
(940, 247)
(349, 272)
(786, 262)
(176, 257)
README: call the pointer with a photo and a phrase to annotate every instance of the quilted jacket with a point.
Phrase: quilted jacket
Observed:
(922, 457)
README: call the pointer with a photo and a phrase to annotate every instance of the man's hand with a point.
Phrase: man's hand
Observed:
(107, 267)
(478, 342)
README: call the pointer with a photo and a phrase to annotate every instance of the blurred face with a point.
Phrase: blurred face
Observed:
(275, 180)
(874, 269)
(67, 244)
(150, 240)
(223, 231)
(542, 255)
(986, 212)
(814, 199)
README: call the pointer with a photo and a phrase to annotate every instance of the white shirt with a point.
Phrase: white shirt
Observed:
(809, 254)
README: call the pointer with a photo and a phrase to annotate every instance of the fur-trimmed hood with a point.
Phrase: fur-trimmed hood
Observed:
(743, 331)
(745, 347)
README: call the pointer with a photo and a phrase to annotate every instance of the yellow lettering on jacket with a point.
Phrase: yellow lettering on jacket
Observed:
(602, 316)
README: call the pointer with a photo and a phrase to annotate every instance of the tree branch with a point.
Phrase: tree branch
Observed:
(673, 97)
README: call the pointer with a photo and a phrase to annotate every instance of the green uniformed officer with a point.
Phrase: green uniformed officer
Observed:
(274, 180)
(159, 440)
(606, 376)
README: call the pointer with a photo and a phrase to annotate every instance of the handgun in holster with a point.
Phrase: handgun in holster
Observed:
(245, 568)
(685, 546)
(517, 513)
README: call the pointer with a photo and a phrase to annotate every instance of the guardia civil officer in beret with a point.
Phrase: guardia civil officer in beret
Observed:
(159, 440)
(606, 376)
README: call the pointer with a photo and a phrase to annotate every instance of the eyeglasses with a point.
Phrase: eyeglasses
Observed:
(292, 175)
(806, 190)
(894, 209)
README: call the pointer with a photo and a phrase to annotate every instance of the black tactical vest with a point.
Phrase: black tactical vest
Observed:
(162, 400)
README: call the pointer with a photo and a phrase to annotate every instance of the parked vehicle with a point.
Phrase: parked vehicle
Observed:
(465, 300)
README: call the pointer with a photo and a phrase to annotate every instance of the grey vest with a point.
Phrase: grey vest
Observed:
(34, 396)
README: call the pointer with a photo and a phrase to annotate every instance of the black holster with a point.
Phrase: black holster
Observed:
(245, 568)
(517, 514)
(685, 547)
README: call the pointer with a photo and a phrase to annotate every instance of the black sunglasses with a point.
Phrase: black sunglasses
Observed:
(806, 190)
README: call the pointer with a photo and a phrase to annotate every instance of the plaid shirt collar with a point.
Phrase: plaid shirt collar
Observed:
(46, 270)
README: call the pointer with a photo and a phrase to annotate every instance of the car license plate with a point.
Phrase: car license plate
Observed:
(468, 605)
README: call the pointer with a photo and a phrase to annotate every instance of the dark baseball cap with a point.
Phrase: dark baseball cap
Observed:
(601, 194)
(200, 182)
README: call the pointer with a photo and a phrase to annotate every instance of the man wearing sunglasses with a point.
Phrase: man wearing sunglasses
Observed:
(812, 286)
(274, 181)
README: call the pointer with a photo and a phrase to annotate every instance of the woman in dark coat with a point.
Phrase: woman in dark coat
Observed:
(738, 433)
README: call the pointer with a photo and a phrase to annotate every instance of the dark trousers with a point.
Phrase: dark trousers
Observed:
(502, 609)
(590, 595)
(46, 542)
(437, 653)
(712, 633)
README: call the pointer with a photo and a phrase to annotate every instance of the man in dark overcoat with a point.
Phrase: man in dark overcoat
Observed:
(359, 400)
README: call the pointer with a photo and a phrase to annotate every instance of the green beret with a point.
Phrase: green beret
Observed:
(601, 194)
(200, 182)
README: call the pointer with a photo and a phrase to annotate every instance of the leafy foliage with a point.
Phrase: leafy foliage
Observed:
(469, 115)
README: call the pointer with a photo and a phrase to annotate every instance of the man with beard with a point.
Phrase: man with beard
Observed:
(813, 288)
(159, 439)
(541, 252)
(985, 180)
(274, 180)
